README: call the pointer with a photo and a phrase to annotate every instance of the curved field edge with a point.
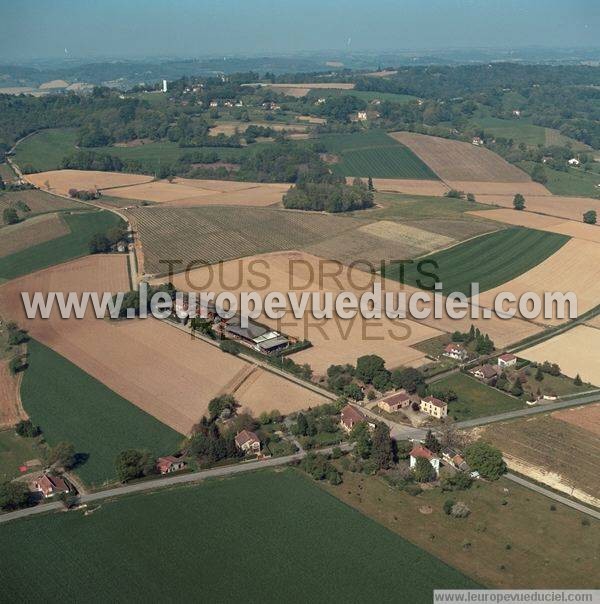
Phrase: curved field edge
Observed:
(305, 540)
(490, 260)
(82, 225)
(70, 405)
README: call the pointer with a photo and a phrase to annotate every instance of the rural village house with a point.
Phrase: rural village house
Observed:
(455, 351)
(423, 452)
(394, 402)
(49, 486)
(248, 442)
(485, 373)
(507, 360)
(169, 463)
(434, 407)
(453, 458)
(351, 416)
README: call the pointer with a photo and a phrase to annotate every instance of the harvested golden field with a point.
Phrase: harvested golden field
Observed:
(570, 208)
(578, 230)
(434, 188)
(551, 451)
(484, 189)
(337, 341)
(265, 391)
(229, 128)
(520, 218)
(11, 411)
(575, 267)
(158, 368)
(421, 240)
(312, 120)
(576, 351)
(16, 237)
(458, 161)
(186, 192)
(587, 417)
(60, 181)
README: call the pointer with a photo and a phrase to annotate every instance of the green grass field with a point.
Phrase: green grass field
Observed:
(39, 202)
(45, 150)
(518, 129)
(475, 399)
(70, 405)
(574, 181)
(254, 537)
(83, 226)
(14, 452)
(489, 260)
(375, 154)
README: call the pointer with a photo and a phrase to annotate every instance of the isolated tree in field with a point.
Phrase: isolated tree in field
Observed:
(382, 451)
(578, 381)
(218, 404)
(424, 471)
(486, 460)
(370, 184)
(13, 495)
(132, 464)
(63, 455)
(27, 429)
(519, 202)
(470, 196)
(539, 374)
(367, 366)
(10, 216)
(590, 217)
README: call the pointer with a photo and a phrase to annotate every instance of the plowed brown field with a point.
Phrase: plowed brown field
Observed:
(157, 367)
(458, 161)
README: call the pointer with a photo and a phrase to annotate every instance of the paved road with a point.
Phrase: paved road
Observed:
(543, 408)
(161, 483)
(552, 495)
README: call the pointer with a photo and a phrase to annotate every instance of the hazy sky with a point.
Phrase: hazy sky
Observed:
(43, 28)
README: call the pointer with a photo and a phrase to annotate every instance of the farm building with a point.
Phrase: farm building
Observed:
(271, 342)
(477, 141)
(169, 464)
(434, 407)
(248, 442)
(455, 351)
(485, 373)
(350, 417)
(420, 451)
(49, 486)
(361, 116)
(573, 162)
(507, 360)
(234, 329)
(453, 458)
(394, 402)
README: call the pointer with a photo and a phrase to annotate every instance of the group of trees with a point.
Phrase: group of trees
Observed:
(483, 344)
(333, 196)
(102, 243)
(320, 468)
(370, 370)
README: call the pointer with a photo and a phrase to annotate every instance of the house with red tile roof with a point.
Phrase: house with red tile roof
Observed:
(49, 485)
(169, 464)
(421, 451)
(350, 417)
(394, 402)
(455, 351)
(507, 360)
(248, 442)
(434, 407)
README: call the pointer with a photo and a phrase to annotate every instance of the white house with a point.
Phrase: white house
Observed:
(477, 141)
(516, 112)
(419, 451)
(573, 162)
(361, 116)
(455, 351)
(507, 360)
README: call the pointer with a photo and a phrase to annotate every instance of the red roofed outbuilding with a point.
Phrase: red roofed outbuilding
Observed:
(169, 463)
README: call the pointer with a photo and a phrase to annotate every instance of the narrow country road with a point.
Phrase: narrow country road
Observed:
(552, 495)
(161, 483)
